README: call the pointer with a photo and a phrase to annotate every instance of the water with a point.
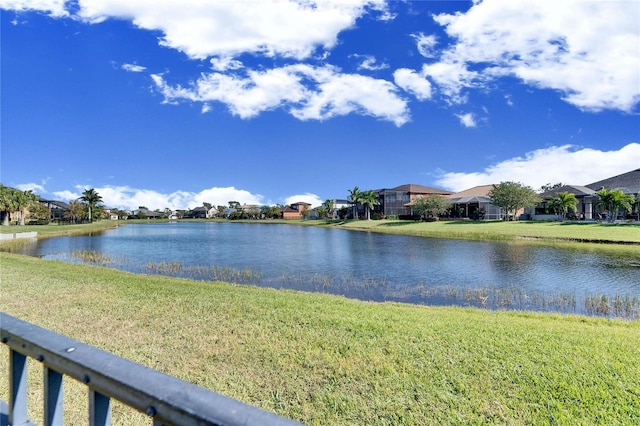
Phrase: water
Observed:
(367, 266)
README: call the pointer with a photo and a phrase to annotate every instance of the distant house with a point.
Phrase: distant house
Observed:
(337, 205)
(584, 210)
(475, 203)
(57, 209)
(394, 201)
(197, 213)
(151, 214)
(587, 196)
(294, 211)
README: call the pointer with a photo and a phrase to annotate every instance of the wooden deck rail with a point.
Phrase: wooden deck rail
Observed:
(165, 399)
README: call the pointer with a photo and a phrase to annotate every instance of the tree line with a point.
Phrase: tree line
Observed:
(511, 196)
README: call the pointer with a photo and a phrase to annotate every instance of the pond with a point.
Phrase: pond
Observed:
(366, 265)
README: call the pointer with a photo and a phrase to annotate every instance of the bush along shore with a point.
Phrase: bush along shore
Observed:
(324, 359)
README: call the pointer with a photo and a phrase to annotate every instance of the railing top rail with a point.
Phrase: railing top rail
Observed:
(168, 399)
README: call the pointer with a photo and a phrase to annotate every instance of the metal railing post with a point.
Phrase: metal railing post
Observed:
(53, 402)
(99, 409)
(18, 388)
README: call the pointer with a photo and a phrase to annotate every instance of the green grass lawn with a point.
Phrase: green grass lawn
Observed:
(496, 230)
(323, 359)
(54, 230)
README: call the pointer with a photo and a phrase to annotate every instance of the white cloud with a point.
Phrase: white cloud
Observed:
(66, 195)
(567, 164)
(36, 188)
(228, 28)
(225, 63)
(310, 93)
(307, 197)
(54, 8)
(587, 50)
(451, 77)
(133, 68)
(467, 120)
(125, 197)
(370, 63)
(426, 44)
(413, 83)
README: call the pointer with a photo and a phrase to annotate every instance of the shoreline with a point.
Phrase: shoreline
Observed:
(460, 230)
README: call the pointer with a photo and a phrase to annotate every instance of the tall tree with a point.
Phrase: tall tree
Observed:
(7, 203)
(512, 196)
(563, 203)
(74, 211)
(329, 205)
(23, 202)
(90, 197)
(431, 206)
(354, 197)
(369, 199)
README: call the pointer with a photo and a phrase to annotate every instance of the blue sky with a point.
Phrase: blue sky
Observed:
(172, 103)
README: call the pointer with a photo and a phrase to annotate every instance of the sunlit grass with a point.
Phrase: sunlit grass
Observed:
(490, 230)
(324, 359)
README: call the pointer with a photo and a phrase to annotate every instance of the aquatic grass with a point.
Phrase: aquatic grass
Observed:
(623, 306)
(204, 272)
(91, 257)
(324, 359)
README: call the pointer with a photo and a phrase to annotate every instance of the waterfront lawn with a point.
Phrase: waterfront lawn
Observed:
(54, 230)
(501, 230)
(324, 359)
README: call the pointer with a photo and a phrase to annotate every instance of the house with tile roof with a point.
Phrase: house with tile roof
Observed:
(395, 201)
(587, 208)
(475, 203)
(295, 210)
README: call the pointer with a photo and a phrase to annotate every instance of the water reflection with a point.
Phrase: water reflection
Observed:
(364, 265)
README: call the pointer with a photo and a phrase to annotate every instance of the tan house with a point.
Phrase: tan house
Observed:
(394, 201)
(474, 203)
(295, 210)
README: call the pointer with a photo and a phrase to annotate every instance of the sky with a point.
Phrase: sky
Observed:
(172, 103)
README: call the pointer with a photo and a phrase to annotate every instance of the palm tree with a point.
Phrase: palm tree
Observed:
(23, 200)
(354, 197)
(369, 199)
(91, 198)
(329, 204)
(564, 202)
(614, 200)
(74, 211)
(7, 203)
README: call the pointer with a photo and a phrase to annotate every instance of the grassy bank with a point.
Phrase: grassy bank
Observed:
(499, 230)
(328, 360)
(54, 230)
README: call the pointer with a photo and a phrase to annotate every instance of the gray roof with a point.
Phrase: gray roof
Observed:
(629, 182)
(412, 188)
(578, 191)
(55, 203)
